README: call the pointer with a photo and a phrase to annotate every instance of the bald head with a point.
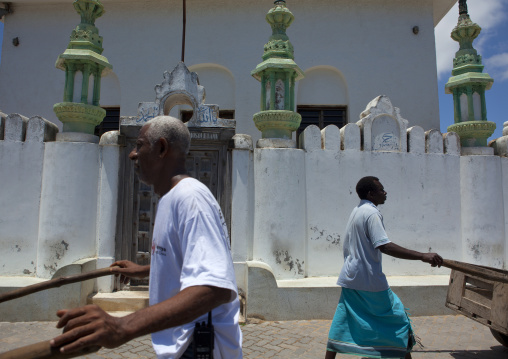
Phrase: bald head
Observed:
(172, 129)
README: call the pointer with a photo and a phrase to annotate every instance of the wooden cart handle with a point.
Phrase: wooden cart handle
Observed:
(54, 283)
(496, 275)
(43, 350)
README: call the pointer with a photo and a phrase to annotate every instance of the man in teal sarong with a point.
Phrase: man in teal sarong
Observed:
(370, 319)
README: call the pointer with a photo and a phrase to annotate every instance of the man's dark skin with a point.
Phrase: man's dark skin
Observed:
(377, 197)
(163, 167)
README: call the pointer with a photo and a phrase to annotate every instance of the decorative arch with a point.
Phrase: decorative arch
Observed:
(322, 98)
(323, 85)
(219, 84)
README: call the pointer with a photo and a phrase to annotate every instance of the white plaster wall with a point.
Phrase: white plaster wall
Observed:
(68, 212)
(143, 39)
(437, 202)
(422, 211)
(483, 224)
(20, 192)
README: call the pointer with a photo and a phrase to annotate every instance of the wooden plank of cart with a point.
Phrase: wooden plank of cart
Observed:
(480, 293)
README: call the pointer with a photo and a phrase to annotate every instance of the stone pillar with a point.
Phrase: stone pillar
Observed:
(68, 210)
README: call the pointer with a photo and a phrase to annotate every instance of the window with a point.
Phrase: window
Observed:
(321, 116)
(110, 123)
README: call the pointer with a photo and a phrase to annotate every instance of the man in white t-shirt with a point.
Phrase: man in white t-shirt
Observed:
(370, 319)
(191, 270)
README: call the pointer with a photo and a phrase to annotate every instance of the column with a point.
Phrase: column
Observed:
(272, 92)
(287, 91)
(84, 87)
(470, 107)
(97, 85)
(70, 73)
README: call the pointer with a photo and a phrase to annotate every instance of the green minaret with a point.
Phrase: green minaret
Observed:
(83, 55)
(278, 74)
(468, 85)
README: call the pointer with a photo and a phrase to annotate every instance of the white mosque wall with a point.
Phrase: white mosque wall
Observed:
(143, 39)
(58, 204)
(437, 201)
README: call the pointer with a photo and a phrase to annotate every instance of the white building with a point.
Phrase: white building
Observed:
(288, 206)
(351, 52)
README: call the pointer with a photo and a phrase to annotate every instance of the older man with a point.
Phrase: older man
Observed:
(370, 319)
(191, 270)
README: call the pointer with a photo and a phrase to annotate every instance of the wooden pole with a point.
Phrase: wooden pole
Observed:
(493, 274)
(55, 283)
(43, 350)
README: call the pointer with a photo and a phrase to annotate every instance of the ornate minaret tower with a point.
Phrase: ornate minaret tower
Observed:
(81, 112)
(278, 74)
(468, 85)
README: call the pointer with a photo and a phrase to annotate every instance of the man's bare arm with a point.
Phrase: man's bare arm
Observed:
(397, 251)
(91, 326)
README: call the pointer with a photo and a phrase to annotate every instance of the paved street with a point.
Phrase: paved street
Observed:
(443, 337)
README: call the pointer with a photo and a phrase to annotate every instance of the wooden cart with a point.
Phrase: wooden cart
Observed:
(480, 293)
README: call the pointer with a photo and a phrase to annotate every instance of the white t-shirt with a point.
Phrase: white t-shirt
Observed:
(190, 247)
(365, 232)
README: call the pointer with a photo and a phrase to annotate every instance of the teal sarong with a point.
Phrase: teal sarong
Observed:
(370, 324)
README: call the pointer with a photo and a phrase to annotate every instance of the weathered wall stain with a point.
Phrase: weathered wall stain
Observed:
(282, 257)
(317, 234)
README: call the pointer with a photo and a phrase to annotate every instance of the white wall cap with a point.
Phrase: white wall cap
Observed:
(416, 139)
(451, 142)
(40, 130)
(15, 127)
(76, 137)
(500, 146)
(310, 139)
(275, 143)
(433, 141)
(243, 142)
(477, 151)
(350, 137)
(111, 138)
(330, 138)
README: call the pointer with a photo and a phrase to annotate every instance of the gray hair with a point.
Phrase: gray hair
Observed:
(172, 129)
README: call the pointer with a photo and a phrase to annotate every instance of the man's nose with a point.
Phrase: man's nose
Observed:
(133, 154)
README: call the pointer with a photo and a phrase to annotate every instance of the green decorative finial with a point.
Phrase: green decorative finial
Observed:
(278, 74)
(89, 10)
(82, 113)
(468, 85)
(279, 18)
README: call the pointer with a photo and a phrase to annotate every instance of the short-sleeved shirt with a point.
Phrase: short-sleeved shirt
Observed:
(365, 232)
(190, 247)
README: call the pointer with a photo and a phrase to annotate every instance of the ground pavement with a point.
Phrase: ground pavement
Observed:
(443, 337)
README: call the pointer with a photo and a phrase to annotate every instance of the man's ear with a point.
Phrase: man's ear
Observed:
(163, 147)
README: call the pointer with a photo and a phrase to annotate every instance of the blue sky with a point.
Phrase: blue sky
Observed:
(492, 44)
